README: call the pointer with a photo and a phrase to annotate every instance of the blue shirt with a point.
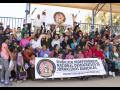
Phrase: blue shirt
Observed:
(92, 36)
(42, 53)
(110, 47)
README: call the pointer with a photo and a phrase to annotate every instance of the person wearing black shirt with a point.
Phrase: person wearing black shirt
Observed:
(52, 27)
(7, 33)
(75, 27)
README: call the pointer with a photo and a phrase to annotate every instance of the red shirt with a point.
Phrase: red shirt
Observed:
(26, 55)
(98, 54)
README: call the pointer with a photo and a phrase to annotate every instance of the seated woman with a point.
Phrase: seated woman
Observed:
(55, 51)
(100, 55)
(44, 51)
(65, 51)
(82, 43)
(116, 58)
(75, 43)
(88, 51)
(91, 42)
(48, 40)
(26, 40)
(109, 61)
(11, 39)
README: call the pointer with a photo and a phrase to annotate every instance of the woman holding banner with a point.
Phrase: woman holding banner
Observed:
(100, 55)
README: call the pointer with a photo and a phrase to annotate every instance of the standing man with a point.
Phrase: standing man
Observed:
(37, 23)
(28, 20)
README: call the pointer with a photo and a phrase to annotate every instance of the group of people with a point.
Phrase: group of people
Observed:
(70, 43)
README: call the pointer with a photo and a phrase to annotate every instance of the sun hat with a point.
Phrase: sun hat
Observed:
(52, 25)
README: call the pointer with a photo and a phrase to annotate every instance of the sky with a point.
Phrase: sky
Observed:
(18, 10)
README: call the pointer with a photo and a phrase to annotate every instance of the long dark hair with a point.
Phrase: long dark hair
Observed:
(2, 40)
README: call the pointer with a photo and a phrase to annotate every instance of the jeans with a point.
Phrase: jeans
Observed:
(18, 71)
(105, 67)
(33, 72)
(5, 66)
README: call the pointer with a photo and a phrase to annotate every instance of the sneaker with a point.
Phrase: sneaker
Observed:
(8, 84)
(2, 82)
(110, 73)
(24, 79)
(11, 79)
(18, 81)
(113, 74)
(61, 79)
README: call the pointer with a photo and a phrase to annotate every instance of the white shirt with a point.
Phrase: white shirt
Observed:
(37, 22)
(43, 18)
(117, 34)
(37, 43)
(91, 30)
(28, 18)
(56, 42)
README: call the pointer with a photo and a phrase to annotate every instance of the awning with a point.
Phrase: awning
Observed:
(87, 6)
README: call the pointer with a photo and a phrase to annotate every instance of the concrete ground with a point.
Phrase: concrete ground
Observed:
(73, 82)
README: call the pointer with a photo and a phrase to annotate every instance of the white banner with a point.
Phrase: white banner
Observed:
(53, 17)
(56, 68)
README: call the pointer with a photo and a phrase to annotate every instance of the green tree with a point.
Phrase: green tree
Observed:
(103, 18)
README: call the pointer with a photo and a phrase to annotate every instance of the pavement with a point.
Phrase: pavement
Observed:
(94, 81)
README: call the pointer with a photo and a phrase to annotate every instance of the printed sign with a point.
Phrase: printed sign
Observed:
(56, 68)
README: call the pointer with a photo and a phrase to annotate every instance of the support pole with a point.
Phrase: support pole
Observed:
(26, 15)
(93, 18)
(111, 20)
(29, 8)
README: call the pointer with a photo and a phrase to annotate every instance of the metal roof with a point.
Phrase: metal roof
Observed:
(87, 6)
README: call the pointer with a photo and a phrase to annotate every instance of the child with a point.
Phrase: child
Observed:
(14, 55)
(60, 55)
(69, 56)
(80, 55)
(5, 53)
(32, 62)
(20, 63)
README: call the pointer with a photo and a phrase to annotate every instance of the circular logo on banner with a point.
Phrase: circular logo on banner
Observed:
(46, 68)
(59, 17)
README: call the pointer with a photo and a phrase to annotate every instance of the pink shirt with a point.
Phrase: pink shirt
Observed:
(33, 62)
(4, 52)
(82, 56)
(69, 57)
(24, 42)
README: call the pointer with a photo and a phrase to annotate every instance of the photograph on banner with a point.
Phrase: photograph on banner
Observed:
(56, 68)
(58, 17)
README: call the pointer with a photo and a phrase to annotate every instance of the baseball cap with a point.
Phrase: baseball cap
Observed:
(28, 44)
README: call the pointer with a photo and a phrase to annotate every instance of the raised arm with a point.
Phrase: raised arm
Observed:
(15, 32)
(33, 11)
(53, 31)
(43, 11)
(77, 14)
